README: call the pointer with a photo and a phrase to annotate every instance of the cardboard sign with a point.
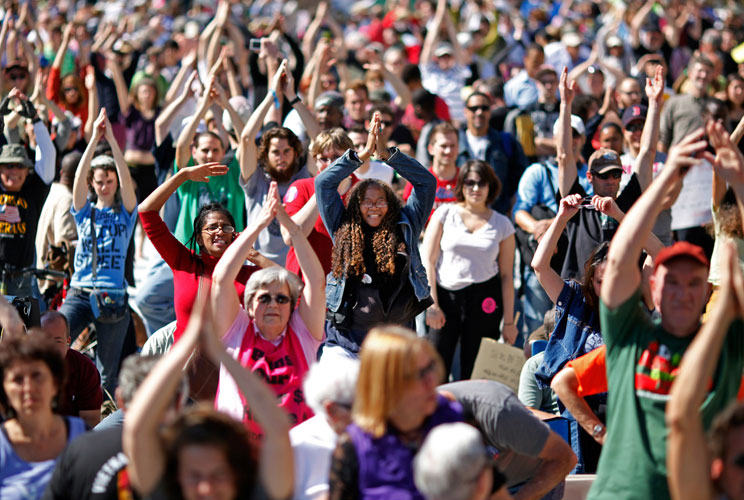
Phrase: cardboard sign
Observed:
(692, 208)
(499, 362)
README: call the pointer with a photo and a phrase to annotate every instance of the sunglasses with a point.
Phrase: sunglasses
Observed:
(266, 298)
(387, 123)
(69, 89)
(615, 174)
(471, 183)
(213, 228)
(16, 76)
(475, 109)
(634, 127)
(369, 204)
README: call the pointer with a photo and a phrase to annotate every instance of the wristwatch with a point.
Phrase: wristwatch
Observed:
(598, 431)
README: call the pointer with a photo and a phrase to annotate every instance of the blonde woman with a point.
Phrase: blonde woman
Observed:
(396, 406)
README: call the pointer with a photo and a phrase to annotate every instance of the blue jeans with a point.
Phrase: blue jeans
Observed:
(76, 309)
(154, 297)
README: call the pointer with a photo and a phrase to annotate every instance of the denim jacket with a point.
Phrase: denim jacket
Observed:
(412, 216)
(576, 333)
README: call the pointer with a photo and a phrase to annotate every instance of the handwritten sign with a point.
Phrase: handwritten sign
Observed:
(692, 208)
(499, 362)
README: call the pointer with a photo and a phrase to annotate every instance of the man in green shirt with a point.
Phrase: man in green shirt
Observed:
(643, 357)
(195, 148)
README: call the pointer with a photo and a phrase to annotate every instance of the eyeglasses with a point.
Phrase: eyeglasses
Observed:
(370, 204)
(471, 183)
(475, 109)
(213, 228)
(551, 81)
(69, 89)
(266, 298)
(327, 159)
(16, 76)
(614, 173)
(634, 127)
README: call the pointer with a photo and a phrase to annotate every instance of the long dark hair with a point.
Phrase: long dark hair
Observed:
(348, 250)
(597, 258)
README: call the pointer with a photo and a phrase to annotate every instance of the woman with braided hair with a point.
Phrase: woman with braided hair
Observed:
(376, 275)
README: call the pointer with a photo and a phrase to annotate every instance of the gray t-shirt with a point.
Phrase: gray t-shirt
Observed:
(507, 425)
(269, 242)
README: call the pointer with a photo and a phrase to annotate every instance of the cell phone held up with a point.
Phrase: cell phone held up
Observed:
(254, 45)
(586, 203)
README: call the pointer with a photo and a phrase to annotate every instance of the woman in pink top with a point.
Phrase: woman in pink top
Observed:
(273, 336)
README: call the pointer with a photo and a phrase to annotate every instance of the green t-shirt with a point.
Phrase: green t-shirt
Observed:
(642, 360)
(223, 189)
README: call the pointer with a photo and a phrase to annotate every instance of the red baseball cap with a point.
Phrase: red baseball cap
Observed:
(681, 249)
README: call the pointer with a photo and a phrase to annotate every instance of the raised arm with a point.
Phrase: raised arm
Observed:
(122, 93)
(432, 36)
(637, 22)
(689, 472)
(550, 280)
(729, 161)
(622, 276)
(62, 51)
(224, 299)
(141, 440)
(183, 145)
(312, 127)
(197, 173)
(643, 167)
(308, 40)
(247, 151)
(567, 171)
(90, 85)
(167, 115)
(126, 185)
(80, 185)
(312, 303)
(327, 183)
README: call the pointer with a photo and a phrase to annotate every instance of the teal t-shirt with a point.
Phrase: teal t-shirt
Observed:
(223, 189)
(642, 361)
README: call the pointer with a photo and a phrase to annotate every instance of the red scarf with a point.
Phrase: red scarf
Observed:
(283, 367)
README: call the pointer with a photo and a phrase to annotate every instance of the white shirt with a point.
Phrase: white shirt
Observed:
(377, 170)
(467, 258)
(477, 145)
(313, 442)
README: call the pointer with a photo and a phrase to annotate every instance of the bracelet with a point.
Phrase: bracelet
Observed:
(277, 105)
(295, 101)
(508, 324)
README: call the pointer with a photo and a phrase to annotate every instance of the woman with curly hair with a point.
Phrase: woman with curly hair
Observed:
(376, 274)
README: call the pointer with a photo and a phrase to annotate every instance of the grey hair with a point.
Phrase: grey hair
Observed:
(449, 463)
(265, 277)
(331, 381)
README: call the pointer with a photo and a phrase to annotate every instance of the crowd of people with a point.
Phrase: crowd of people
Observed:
(336, 204)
